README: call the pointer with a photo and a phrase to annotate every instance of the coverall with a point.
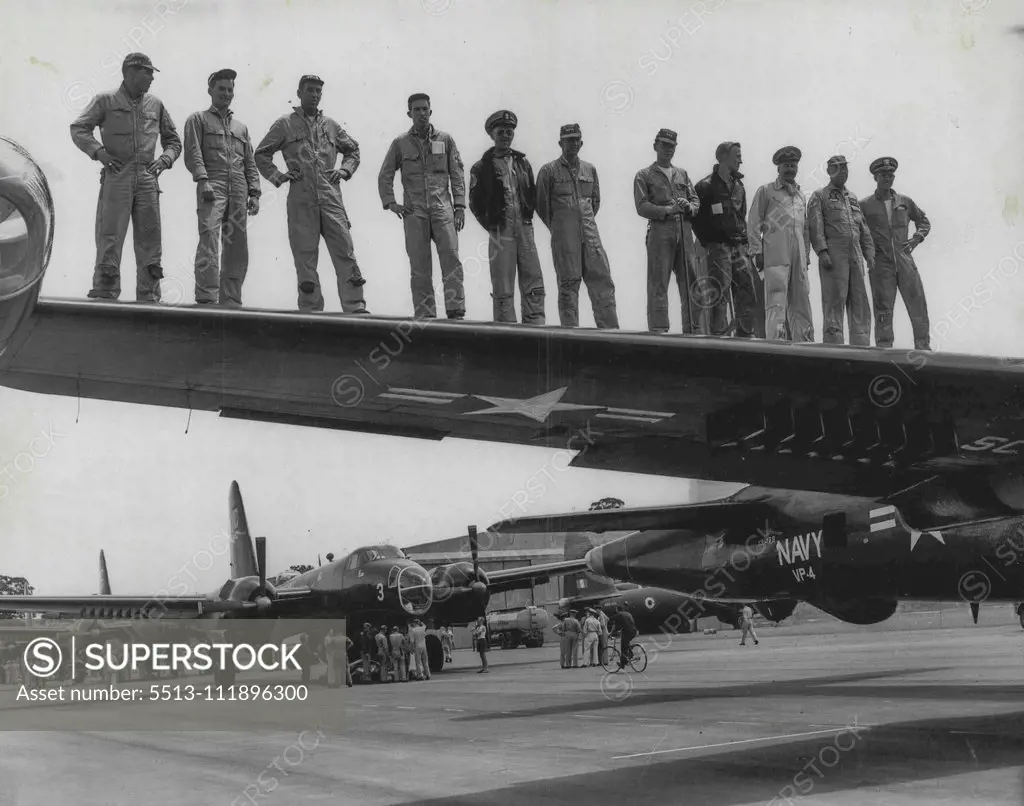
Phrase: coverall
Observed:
(218, 151)
(573, 632)
(337, 662)
(418, 636)
(602, 644)
(383, 657)
(563, 644)
(129, 130)
(670, 248)
(511, 247)
(428, 166)
(888, 220)
(398, 656)
(568, 199)
(836, 223)
(777, 229)
(591, 631)
(311, 145)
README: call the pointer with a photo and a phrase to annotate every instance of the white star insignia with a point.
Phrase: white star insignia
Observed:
(915, 535)
(537, 408)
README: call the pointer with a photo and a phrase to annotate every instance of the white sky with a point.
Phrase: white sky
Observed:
(936, 84)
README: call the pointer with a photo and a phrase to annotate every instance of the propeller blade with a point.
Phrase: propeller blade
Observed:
(261, 561)
(474, 549)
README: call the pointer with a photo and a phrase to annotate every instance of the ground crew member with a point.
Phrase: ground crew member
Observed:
(602, 641)
(480, 642)
(366, 644)
(779, 241)
(840, 237)
(311, 143)
(418, 639)
(383, 654)
(429, 162)
(219, 155)
(398, 655)
(888, 215)
(447, 642)
(748, 626)
(574, 632)
(349, 643)
(130, 120)
(664, 195)
(502, 198)
(623, 619)
(334, 649)
(568, 198)
(563, 641)
(721, 226)
(591, 632)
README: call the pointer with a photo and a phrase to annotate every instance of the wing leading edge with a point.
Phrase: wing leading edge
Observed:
(862, 421)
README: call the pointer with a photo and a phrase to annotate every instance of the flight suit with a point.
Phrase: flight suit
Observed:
(334, 648)
(895, 269)
(670, 248)
(383, 656)
(129, 130)
(836, 223)
(568, 199)
(218, 151)
(777, 228)
(511, 245)
(398, 656)
(311, 145)
(418, 638)
(573, 633)
(428, 165)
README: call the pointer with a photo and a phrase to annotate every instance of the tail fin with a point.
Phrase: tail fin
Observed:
(243, 556)
(104, 577)
(583, 583)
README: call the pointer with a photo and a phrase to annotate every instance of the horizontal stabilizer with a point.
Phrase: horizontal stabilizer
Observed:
(699, 517)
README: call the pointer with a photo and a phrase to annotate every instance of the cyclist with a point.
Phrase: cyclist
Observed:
(623, 619)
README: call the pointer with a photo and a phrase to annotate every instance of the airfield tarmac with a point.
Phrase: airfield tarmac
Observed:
(916, 714)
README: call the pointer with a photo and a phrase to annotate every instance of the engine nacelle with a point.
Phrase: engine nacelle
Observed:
(777, 609)
(459, 596)
(26, 236)
(858, 611)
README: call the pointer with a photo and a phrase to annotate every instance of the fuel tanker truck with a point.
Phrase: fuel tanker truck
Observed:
(522, 625)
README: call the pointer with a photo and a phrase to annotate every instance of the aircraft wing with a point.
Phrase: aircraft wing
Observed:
(855, 420)
(121, 606)
(699, 517)
(527, 576)
(91, 606)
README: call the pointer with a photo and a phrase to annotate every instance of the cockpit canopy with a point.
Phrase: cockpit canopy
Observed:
(369, 554)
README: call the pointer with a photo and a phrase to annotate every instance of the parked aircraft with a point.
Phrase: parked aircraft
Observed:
(877, 474)
(655, 610)
(375, 583)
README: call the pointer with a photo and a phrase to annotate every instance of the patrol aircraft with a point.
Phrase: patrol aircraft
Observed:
(876, 474)
(654, 610)
(13, 630)
(376, 583)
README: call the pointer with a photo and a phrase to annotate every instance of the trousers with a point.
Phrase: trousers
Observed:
(130, 195)
(419, 232)
(512, 250)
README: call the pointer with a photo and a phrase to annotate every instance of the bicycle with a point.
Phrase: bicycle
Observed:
(637, 658)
